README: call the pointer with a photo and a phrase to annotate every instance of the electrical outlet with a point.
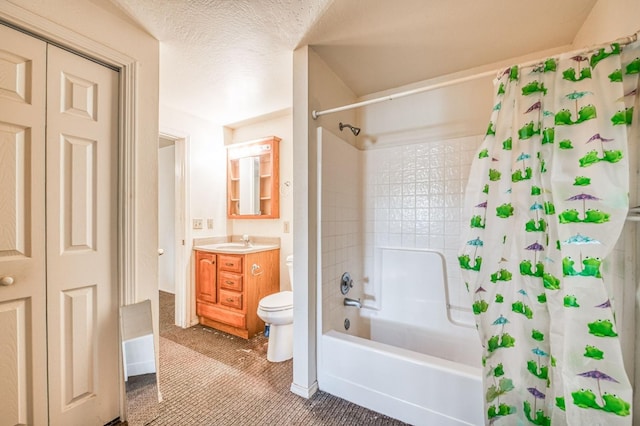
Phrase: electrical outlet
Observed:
(286, 227)
(197, 223)
(209, 223)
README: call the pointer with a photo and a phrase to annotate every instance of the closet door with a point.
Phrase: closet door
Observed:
(82, 306)
(23, 351)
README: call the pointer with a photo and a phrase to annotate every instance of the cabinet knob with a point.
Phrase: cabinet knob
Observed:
(6, 281)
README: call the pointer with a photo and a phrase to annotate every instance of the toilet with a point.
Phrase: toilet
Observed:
(276, 310)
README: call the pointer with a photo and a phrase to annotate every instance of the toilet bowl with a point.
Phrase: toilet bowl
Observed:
(276, 310)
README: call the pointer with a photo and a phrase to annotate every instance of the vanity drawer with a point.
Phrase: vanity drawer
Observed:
(230, 263)
(222, 315)
(230, 281)
(231, 299)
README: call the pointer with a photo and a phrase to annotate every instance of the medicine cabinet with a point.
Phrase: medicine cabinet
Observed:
(253, 179)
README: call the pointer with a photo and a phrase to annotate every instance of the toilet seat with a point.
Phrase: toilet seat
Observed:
(281, 301)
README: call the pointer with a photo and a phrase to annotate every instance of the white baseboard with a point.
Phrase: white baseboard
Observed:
(304, 392)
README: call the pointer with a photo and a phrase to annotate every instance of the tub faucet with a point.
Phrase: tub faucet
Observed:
(352, 302)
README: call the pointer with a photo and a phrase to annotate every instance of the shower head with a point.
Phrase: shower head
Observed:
(354, 130)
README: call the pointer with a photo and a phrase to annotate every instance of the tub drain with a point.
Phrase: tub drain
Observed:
(347, 323)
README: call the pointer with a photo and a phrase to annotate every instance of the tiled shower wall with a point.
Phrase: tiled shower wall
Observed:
(414, 198)
(342, 232)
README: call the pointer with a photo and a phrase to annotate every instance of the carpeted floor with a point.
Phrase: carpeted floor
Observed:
(209, 377)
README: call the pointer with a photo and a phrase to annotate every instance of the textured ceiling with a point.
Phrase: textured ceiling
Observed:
(230, 60)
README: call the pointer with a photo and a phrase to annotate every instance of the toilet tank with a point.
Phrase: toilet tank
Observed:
(290, 268)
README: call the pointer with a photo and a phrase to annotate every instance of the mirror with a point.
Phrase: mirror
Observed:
(139, 363)
(249, 202)
(253, 179)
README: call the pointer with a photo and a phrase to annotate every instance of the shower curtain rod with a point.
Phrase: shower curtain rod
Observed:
(315, 114)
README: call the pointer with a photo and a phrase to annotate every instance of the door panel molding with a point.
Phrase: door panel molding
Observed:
(79, 375)
(15, 144)
(15, 85)
(16, 347)
(78, 228)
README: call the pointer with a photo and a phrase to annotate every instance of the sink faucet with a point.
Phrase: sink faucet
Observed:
(245, 240)
(352, 302)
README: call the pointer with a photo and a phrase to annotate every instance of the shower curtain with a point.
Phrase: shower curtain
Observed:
(547, 198)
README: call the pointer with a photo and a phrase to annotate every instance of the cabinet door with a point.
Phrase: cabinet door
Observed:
(206, 277)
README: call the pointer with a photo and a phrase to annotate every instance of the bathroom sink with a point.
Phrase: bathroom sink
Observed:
(236, 247)
(232, 246)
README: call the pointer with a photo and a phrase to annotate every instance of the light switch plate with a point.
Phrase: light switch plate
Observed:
(197, 224)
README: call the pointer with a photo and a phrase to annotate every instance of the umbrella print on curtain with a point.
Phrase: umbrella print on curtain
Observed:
(538, 417)
(586, 112)
(590, 266)
(478, 221)
(562, 124)
(606, 402)
(526, 266)
(537, 225)
(592, 216)
(612, 156)
(526, 172)
(465, 260)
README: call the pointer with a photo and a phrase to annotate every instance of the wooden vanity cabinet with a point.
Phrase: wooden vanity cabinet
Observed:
(239, 282)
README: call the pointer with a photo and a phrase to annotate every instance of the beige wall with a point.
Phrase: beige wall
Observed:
(207, 169)
(315, 87)
(609, 20)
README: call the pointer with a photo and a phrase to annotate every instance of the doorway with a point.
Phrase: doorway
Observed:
(174, 272)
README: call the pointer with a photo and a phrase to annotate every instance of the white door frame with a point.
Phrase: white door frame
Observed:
(182, 247)
(127, 66)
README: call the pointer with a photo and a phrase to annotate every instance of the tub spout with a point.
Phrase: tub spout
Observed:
(352, 302)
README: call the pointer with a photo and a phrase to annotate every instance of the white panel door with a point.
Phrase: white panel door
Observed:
(82, 307)
(23, 354)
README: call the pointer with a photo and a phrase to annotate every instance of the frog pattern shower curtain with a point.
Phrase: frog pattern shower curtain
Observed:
(547, 199)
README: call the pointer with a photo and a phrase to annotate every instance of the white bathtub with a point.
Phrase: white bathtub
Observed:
(413, 387)
(409, 361)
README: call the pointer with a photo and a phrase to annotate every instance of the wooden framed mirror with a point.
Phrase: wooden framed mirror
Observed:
(253, 179)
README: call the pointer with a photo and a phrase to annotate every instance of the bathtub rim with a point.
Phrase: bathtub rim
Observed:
(441, 364)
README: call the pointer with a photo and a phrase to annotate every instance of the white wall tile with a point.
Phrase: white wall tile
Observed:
(422, 205)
